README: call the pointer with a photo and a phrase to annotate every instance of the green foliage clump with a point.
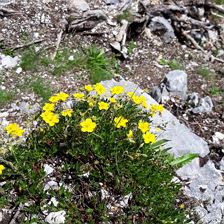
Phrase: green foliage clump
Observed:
(125, 15)
(94, 144)
(204, 72)
(97, 64)
(5, 97)
(173, 64)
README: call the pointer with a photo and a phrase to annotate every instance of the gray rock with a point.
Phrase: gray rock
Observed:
(182, 140)
(193, 99)
(79, 5)
(160, 93)
(111, 2)
(205, 105)
(176, 83)
(217, 138)
(159, 23)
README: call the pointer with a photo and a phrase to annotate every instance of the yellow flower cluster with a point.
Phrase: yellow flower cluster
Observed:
(139, 100)
(59, 97)
(116, 90)
(1, 168)
(103, 106)
(50, 118)
(88, 125)
(14, 130)
(120, 122)
(155, 108)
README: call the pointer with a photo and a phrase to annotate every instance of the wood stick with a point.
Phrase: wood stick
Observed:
(27, 45)
(57, 44)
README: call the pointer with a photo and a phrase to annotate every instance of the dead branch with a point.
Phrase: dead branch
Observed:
(27, 45)
(13, 220)
(7, 11)
(59, 36)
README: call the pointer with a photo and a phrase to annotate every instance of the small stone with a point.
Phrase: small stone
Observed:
(111, 2)
(48, 169)
(71, 58)
(176, 83)
(53, 201)
(80, 5)
(8, 61)
(217, 138)
(4, 114)
(193, 99)
(56, 217)
(19, 70)
(116, 45)
(51, 185)
(205, 105)
(159, 23)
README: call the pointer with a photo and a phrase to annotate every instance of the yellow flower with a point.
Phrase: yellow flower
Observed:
(67, 112)
(136, 99)
(182, 206)
(112, 100)
(117, 90)
(103, 106)
(130, 136)
(143, 101)
(143, 126)
(130, 94)
(120, 122)
(62, 96)
(48, 107)
(91, 101)
(100, 89)
(88, 88)
(14, 130)
(155, 108)
(1, 168)
(149, 138)
(50, 118)
(54, 99)
(158, 129)
(88, 125)
(79, 95)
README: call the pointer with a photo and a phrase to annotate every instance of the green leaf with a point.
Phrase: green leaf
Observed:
(182, 160)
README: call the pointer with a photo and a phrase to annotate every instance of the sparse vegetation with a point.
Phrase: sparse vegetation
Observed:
(5, 97)
(131, 46)
(173, 64)
(125, 15)
(30, 60)
(220, 2)
(204, 72)
(215, 91)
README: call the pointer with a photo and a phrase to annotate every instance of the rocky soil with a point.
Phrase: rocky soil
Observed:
(141, 53)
